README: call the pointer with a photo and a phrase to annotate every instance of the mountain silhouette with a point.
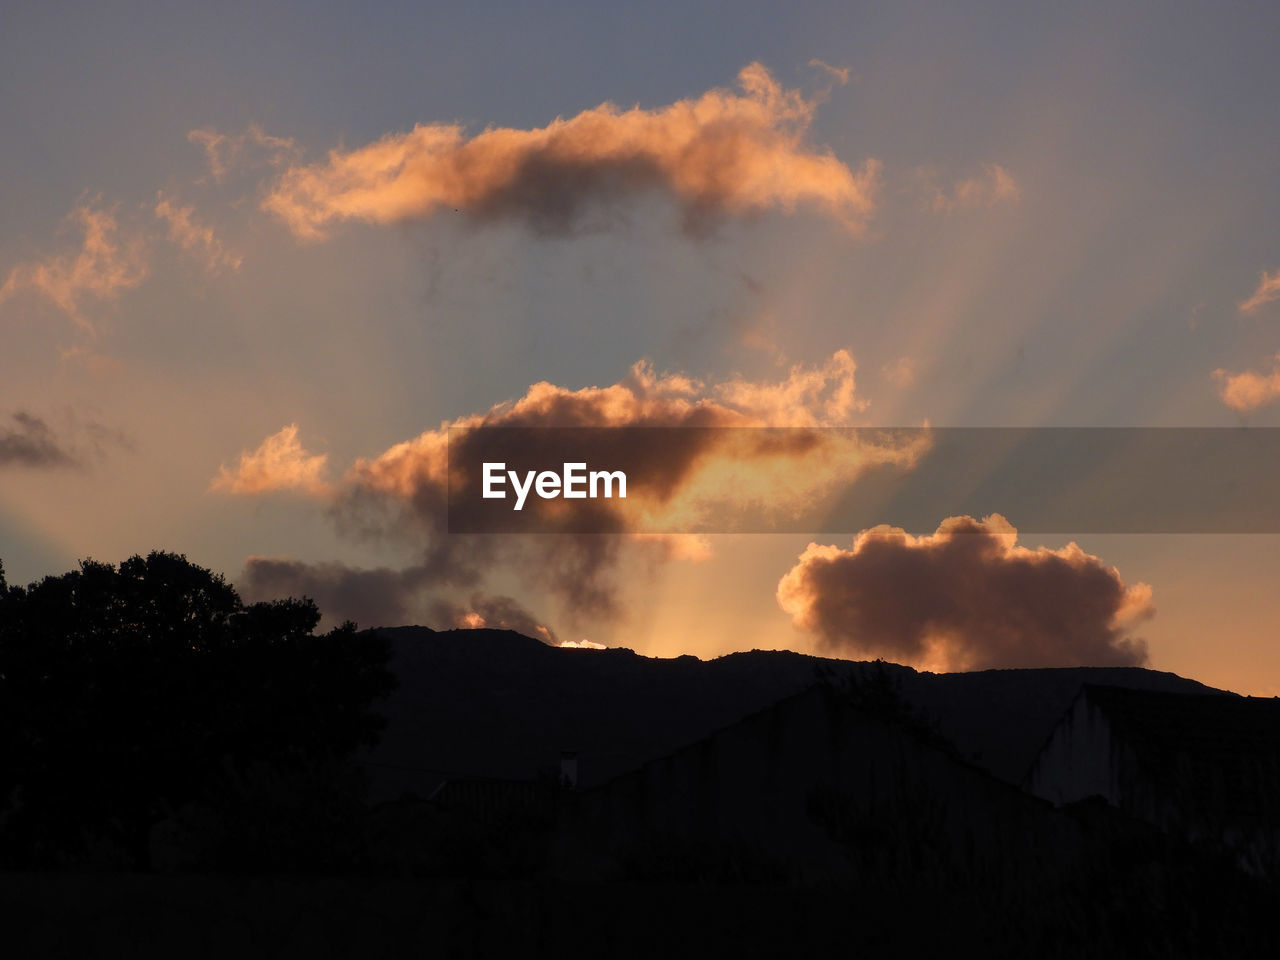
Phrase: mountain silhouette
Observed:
(494, 703)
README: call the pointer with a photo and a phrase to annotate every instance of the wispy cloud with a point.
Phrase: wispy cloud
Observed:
(1249, 390)
(194, 237)
(994, 185)
(105, 265)
(839, 75)
(279, 463)
(1268, 289)
(30, 441)
(723, 152)
(226, 152)
(965, 598)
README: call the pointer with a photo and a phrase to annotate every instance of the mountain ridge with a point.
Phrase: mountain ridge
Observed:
(496, 703)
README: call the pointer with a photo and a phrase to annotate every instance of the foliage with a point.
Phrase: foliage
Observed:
(126, 693)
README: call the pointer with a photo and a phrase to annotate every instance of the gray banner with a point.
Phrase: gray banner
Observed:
(842, 480)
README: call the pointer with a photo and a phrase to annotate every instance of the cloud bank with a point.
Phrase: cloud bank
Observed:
(965, 598)
(722, 153)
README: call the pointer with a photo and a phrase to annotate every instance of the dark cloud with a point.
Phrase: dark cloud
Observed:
(78, 440)
(372, 598)
(29, 442)
(965, 598)
(383, 597)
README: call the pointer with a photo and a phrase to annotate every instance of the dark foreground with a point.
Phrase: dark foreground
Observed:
(79, 915)
(185, 775)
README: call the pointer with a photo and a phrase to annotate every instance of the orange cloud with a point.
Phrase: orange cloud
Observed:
(721, 153)
(965, 598)
(993, 186)
(104, 266)
(1268, 289)
(670, 488)
(279, 463)
(1247, 391)
(193, 237)
(807, 397)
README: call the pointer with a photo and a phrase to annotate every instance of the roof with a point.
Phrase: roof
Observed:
(1191, 723)
(1210, 755)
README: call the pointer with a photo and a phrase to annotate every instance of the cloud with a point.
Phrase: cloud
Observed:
(839, 75)
(225, 152)
(807, 397)
(1268, 289)
(77, 441)
(993, 186)
(279, 463)
(195, 238)
(965, 598)
(1247, 391)
(30, 443)
(723, 153)
(372, 598)
(483, 610)
(382, 597)
(673, 480)
(402, 495)
(103, 267)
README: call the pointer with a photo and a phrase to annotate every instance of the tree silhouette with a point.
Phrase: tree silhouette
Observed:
(126, 693)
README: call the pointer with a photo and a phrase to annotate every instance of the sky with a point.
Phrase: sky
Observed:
(256, 259)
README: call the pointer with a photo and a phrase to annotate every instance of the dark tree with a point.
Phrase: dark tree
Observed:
(130, 693)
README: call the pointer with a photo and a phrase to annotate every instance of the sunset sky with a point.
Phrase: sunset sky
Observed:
(255, 261)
